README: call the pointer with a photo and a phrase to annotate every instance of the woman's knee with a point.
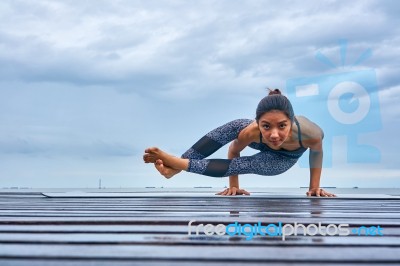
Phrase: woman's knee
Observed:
(264, 163)
(229, 131)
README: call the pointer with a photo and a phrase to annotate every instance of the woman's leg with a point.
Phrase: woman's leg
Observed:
(157, 155)
(262, 163)
(216, 138)
(212, 141)
(204, 147)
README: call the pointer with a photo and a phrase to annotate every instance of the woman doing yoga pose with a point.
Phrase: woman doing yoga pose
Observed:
(279, 135)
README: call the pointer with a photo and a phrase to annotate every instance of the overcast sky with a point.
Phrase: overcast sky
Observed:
(86, 86)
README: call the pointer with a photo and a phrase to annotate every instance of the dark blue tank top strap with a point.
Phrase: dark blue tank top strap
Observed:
(298, 132)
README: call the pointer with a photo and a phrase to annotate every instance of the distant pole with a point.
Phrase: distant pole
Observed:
(100, 183)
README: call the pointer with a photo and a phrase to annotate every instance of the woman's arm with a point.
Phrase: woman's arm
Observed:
(233, 179)
(315, 160)
(312, 136)
(234, 152)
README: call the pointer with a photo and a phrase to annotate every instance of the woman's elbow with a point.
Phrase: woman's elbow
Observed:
(233, 148)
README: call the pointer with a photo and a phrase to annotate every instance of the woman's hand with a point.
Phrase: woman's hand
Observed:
(233, 191)
(319, 192)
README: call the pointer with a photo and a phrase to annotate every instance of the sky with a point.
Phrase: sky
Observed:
(86, 86)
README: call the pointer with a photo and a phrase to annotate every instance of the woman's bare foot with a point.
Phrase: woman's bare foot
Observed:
(166, 171)
(153, 154)
(149, 158)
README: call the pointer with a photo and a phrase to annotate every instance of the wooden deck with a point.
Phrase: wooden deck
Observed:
(152, 229)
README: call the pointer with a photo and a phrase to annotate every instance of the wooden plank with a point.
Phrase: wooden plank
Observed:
(121, 229)
(239, 205)
(209, 195)
(291, 206)
(200, 253)
(179, 220)
(256, 205)
(168, 213)
(154, 262)
(80, 262)
(185, 239)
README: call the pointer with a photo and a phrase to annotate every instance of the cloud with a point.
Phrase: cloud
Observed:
(142, 45)
(91, 149)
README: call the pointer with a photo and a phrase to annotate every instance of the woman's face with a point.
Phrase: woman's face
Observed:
(275, 128)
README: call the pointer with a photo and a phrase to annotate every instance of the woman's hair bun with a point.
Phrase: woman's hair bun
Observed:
(275, 101)
(272, 92)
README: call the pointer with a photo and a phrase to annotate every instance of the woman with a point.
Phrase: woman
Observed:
(277, 133)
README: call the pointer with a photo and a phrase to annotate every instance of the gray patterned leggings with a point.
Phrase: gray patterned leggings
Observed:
(266, 162)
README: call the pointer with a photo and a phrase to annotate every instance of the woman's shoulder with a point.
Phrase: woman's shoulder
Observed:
(309, 129)
(250, 133)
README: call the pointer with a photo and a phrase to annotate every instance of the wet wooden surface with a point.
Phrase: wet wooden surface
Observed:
(153, 230)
